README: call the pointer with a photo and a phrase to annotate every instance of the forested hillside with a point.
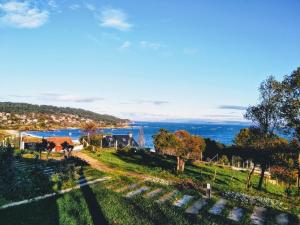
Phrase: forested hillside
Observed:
(23, 115)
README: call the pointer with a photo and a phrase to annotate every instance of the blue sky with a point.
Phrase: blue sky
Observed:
(146, 60)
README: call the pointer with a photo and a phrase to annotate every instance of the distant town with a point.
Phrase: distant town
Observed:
(34, 117)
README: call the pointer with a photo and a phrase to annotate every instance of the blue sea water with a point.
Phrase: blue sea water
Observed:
(224, 133)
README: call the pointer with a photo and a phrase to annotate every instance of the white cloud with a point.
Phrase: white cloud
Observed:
(68, 98)
(22, 15)
(74, 6)
(151, 45)
(190, 51)
(52, 4)
(154, 102)
(114, 18)
(90, 7)
(125, 45)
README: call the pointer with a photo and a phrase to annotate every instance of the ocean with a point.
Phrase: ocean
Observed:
(224, 133)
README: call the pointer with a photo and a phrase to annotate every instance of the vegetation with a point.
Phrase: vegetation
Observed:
(18, 183)
(180, 144)
(28, 116)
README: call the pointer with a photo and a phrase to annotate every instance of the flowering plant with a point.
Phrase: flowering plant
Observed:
(253, 200)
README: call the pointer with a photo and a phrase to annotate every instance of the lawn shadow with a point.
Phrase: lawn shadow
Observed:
(28, 181)
(92, 203)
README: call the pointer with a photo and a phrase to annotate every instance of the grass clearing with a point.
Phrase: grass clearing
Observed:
(101, 204)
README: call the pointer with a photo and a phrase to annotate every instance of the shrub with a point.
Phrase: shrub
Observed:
(224, 160)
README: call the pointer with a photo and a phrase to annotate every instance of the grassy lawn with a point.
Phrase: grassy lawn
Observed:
(197, 175)
(102, 204)
(30, 180)
(99, 205)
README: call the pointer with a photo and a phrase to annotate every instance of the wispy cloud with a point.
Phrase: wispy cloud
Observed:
(114, 18)
(68, 98)
(190, 51)
(233, 107)
(52, 4)
(74, 6)
(90, 7)
(154, 102)
(22, 14)
(125, 45)
(21, 96)
(151, 45)
(143, 116)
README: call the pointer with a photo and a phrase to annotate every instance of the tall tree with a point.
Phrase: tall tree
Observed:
(290, 109)
(266, 118)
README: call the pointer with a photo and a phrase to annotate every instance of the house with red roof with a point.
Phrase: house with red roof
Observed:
(58, 141)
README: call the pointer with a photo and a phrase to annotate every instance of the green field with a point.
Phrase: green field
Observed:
(101, 204)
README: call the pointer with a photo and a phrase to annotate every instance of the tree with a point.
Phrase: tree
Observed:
(290, 89)
(285, 170)
(266, 118)
(180, 144)
(67, 148)
(290, 109)
(90, 128)
(42, 147)
(50, 146)
(224, 160)
(248, 138)
(259, 149)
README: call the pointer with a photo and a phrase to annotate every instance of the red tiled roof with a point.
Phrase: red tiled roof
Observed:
(60, 140)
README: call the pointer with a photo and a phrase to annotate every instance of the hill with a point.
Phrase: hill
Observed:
(29, 116)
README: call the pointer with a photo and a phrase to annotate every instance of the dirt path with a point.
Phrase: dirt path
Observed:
(96, 164)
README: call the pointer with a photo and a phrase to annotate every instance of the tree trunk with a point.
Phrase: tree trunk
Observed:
(201, 156)
(262, 175)
(298, 183)
(250, 176)
(182, 166)
(178, 162)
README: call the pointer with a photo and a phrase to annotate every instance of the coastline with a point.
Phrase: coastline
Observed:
(16, 133)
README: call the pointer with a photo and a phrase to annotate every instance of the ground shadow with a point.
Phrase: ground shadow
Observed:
(92, 203)
(27, 181)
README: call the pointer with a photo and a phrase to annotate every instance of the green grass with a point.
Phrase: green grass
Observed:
(97, 204)
(78, 207)
(100, 204)
(197, 173)
(30, 183)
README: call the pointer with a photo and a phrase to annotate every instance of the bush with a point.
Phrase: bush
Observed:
(224, 160)
(127, 149)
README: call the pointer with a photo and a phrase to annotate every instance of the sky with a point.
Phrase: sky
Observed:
(146, 60)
